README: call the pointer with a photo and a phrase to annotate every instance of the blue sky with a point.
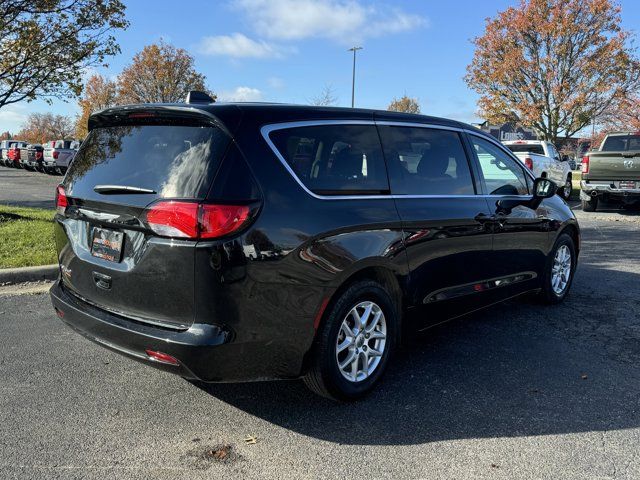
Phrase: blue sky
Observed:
(288, 50)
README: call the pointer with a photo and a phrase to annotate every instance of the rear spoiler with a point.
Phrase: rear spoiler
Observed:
(150, 114)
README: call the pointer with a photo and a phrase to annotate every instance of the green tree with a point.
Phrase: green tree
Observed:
(47, 45)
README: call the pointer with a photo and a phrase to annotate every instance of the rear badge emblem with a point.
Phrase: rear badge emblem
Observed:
(628, 164)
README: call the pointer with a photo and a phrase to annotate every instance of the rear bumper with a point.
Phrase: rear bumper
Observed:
(204, 352)
(589, 190)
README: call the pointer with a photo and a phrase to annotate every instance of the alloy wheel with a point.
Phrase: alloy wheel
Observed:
(561, 270)
(361, 341)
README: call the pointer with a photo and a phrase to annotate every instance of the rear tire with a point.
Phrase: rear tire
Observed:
(590, 205)
(567, 189)
(341, 338)
(559, 271)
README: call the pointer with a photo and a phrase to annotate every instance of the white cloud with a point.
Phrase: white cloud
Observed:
(241, 94)
(344, 21)
(238, 45)
(12, 117)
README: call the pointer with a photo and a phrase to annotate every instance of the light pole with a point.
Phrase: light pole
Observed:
(353, 78)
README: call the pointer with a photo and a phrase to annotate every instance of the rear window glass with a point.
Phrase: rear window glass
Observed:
(173, 161)
(621, 143)
(425, 161)
(538, 149)
(335, 159)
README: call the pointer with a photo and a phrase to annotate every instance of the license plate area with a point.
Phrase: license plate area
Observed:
(627, 185)
(107, 244)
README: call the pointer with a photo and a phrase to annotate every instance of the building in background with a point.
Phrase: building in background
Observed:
(507, 131)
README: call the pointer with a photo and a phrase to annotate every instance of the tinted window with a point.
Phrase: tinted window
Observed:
(502, 174)
(425, 161)
(334, 159)
(234, 181)
(621, 143)
(518, 148)
(174, 161)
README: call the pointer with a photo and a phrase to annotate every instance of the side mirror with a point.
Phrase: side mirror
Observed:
(543, 188)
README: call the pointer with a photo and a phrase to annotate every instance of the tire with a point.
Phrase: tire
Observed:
(325, 377)
(590, 205)
(567, 189)
(553, 293)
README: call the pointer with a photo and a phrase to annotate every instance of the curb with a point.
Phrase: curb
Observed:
(28, 274)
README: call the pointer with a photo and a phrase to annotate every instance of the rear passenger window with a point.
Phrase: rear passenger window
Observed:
(426, 161)
(334, 159)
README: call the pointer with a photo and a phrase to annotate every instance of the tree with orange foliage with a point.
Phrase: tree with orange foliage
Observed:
(42, 127)
(623, 115)
(99, 92)
(404, 104)
(556, 64)
(159, 73)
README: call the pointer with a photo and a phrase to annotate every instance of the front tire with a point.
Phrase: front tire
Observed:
(590, 205)
(354, 343)
(559, 270)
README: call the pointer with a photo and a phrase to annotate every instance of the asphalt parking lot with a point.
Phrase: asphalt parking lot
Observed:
(517, 391)
(27, 189)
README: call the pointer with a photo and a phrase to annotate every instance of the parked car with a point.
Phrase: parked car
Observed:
(612, 173)
(543, 159)
(58, 155)
(570, 160)
(23, 161)
(227, 242)
(13, 154)
(4, 149)
(35, 157)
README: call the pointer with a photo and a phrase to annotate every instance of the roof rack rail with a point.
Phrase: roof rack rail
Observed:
(196, 96)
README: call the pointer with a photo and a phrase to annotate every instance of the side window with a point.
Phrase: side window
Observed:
(334, 159)
(426, 161)
(502, 174)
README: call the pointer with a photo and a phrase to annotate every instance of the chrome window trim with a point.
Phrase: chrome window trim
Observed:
(265, 130)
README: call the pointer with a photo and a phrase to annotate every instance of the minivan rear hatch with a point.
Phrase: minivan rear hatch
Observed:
(129, 165)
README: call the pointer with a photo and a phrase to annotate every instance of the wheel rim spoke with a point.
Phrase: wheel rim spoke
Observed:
(561, 269)
(361, 341)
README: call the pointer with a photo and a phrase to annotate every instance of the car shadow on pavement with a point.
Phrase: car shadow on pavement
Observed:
(516, 369)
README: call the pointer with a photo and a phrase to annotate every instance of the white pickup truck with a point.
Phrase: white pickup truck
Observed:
(544, 160)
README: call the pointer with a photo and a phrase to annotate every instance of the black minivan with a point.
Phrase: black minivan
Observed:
(232, 242)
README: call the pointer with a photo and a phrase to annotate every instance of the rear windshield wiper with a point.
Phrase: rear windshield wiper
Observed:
(121, 189)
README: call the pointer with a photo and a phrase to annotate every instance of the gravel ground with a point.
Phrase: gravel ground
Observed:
(517, 391)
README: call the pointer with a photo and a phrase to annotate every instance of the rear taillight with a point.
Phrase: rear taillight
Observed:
(56, 154)
(219, 220)
(61, 200)
(585, 164)
(528, 163)
(195, 221)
